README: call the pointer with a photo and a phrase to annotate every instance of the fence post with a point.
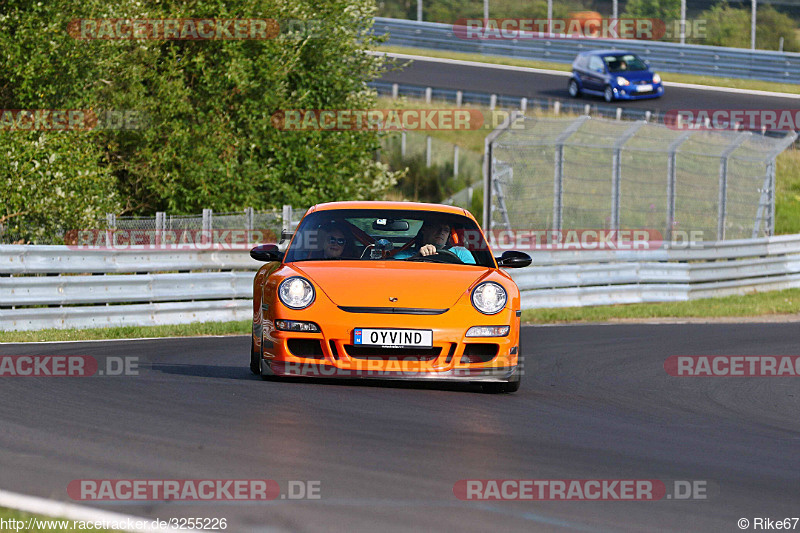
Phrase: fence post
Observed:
(111, 224)
(208, 222)
(672, 175)
(455, 160)
(488, 156)
(722, 207)
(558, 170)
(248, 219)
(616, 170)
(428, 151)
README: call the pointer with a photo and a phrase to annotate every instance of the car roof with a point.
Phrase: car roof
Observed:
(415, 206)
(606, 53)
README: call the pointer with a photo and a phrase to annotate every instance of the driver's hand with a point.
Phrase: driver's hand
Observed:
(428, 249)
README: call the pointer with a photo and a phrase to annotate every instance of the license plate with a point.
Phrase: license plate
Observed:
(393, 338)
(644, 88)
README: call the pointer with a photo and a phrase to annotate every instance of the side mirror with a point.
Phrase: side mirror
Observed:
(513, 259)
(266, 253)
(286, 235)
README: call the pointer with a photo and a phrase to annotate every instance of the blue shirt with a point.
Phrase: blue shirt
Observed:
(461, 252)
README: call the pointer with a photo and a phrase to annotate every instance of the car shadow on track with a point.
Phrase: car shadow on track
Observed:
(243, 373)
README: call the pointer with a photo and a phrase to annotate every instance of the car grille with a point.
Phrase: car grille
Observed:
(308, 348)
(394, 354)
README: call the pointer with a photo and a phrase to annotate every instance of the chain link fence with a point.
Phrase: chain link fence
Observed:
(552, 173)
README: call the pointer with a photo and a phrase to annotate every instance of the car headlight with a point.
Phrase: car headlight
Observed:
(296, 292)
(489, 297)
(622, 81)
(488, 331)
(656, 78)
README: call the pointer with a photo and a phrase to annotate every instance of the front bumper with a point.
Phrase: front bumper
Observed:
(629, 92)
(453, 357)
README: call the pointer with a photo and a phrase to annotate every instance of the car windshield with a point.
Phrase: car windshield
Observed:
(624, 63)
(389, 235)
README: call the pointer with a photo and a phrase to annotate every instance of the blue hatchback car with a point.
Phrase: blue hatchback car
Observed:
(614, 75)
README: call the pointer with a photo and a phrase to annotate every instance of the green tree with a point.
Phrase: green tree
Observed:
(208, 140)
(728, 26)
(666, 10)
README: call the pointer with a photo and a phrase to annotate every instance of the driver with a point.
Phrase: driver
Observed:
(433, 237)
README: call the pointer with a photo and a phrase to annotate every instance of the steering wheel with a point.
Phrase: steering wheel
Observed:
(441, 256)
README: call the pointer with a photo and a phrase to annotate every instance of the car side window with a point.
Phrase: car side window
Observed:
(596, 64)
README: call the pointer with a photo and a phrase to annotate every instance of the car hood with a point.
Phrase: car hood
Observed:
(372, 284)
(635, 75)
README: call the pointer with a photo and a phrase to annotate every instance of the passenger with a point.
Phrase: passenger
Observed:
(432, 237)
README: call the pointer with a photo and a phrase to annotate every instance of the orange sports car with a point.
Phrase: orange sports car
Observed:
(387, 290)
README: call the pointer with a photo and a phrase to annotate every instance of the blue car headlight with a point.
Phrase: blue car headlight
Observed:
(622, 81)
(656, 78)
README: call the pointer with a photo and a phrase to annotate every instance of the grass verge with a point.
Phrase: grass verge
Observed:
(129, 332)
(39, 523)
(762, 304)
(734, 83)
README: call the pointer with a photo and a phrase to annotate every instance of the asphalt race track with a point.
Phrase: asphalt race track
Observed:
(553, 86)
(596, 403)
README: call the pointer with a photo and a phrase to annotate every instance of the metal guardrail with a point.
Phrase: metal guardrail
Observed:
(38, 289)
(667, 57)
(579, 278)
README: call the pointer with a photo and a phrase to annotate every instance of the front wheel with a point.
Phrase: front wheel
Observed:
(254, 367)
(574, 90)
(608, 94)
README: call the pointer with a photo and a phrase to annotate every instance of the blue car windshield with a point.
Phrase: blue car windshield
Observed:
(388, 235)
(624, 63)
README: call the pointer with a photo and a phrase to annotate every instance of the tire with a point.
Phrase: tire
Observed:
(573, 89)
(505, 387)
(608, 94)
(254, 368)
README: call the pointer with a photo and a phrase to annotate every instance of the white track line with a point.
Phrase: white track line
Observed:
(69, 511)
(563, 73)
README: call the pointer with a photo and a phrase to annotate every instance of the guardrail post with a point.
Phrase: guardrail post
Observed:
(619, 113)
(459, 98)
(395, 91)
(558, 170)
(557, 108)
(672, 174)
(587, 109)
(207, 220)
(492, 102)
(428, 94)
(403, 143)
(722, 207)
(523, 105)
(455, 160)
(616, 170)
